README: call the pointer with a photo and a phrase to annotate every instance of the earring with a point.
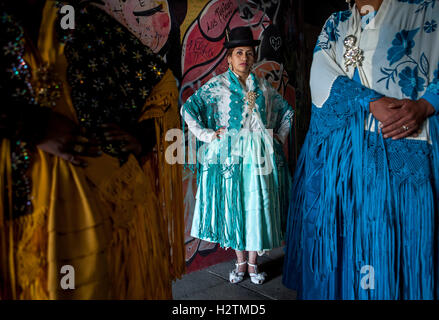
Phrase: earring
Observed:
(349, 3)
(230, 66)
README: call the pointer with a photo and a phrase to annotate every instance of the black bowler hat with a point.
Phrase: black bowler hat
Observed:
(240, 37)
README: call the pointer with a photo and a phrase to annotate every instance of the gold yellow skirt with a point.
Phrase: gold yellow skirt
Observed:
(103, 221)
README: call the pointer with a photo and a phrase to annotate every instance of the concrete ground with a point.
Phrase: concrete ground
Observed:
(212, 283)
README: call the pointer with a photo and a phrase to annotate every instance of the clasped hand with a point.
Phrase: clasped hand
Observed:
(400, 118)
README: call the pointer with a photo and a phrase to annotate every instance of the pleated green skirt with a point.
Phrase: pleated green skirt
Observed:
(242, 196)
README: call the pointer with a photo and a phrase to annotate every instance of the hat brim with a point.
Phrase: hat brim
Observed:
(241, 43)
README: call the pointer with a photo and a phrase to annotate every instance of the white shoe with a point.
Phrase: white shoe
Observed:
(236, 276)
(256, 277)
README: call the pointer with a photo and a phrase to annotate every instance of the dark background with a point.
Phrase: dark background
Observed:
(310, 18)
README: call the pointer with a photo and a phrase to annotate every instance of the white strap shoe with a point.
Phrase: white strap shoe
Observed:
(236, 276)
(256, 277)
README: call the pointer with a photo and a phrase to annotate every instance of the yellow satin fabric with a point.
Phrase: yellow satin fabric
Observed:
(162, 105)
(121, 228)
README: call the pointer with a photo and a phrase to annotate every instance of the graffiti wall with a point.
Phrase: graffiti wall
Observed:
(190, 35)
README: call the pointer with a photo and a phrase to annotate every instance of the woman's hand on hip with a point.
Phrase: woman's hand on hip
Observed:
(221, 131)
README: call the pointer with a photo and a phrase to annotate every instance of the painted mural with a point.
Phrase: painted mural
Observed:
(190, 34)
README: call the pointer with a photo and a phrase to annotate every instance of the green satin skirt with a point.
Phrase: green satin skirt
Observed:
(242, 197)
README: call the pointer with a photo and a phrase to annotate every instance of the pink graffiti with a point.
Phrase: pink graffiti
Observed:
(152, 30)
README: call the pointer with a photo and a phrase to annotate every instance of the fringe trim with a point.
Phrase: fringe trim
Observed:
(356, 216)
(162, 105)
(22, 245)
(139, 255)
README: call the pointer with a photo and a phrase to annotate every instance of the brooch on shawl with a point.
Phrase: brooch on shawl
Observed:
(353, 55)
(250, 98)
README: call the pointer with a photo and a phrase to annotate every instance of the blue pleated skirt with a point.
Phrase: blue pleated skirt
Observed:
(376, 238)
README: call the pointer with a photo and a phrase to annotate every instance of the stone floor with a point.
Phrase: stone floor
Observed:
(213, 283)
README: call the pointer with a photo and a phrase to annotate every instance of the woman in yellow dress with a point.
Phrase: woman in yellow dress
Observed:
(83, 177)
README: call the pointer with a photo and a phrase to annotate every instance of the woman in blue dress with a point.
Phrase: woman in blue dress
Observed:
(363, 220)
(243, 178)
